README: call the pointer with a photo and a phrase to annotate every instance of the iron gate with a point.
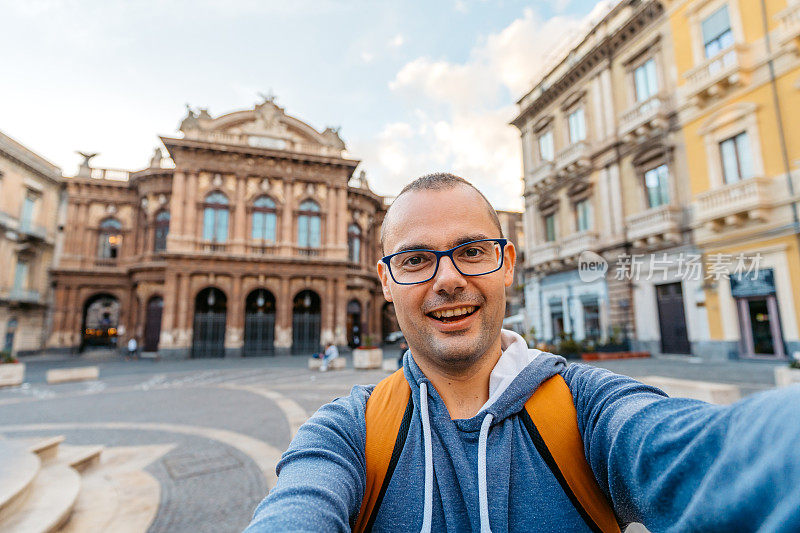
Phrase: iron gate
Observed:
(209, 335)
(305, 333)
(259, 334)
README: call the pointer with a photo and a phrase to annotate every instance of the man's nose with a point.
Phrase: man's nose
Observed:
(448, 279)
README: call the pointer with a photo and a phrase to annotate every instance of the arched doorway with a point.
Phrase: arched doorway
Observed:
(100, 322)
(354, 326)
(152, 323)
(305, 322)
(259, 323)
(210, 310)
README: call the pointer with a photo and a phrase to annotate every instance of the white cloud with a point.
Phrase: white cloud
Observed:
(460, 123)
(397, 41)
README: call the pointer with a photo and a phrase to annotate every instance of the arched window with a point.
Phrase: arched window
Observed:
(308, 225)
(161, 231)
(215, 217)
(265, 219)
(110, 239)
(354, 243)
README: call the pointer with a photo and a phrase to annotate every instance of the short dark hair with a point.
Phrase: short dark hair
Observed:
(436, 182)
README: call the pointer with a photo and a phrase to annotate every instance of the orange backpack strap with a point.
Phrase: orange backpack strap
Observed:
(388, 416)
(552, 421)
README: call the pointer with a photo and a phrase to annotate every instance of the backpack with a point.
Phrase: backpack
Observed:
(549, 416)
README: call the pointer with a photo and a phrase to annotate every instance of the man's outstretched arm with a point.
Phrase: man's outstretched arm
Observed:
(321, 477)
(684, 465)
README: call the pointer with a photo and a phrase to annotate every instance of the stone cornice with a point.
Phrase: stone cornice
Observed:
(174, 144)
(30, 160)
(605, 49)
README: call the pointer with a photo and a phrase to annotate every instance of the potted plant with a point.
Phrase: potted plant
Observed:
(790, 374)
(368, 355)
(12, 372)
(568, 347)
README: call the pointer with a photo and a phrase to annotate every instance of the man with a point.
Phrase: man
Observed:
(469, 464)
(331, 352)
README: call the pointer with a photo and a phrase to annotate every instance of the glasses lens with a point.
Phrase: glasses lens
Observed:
(476, 258)
(413, 267)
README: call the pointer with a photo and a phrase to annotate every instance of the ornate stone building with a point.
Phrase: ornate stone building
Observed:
(260, 240)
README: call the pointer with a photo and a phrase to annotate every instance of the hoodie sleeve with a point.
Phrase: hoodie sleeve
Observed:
(321, 476)
(676, 464)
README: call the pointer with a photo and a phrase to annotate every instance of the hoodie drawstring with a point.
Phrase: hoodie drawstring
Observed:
(483, 499)
(427, 513)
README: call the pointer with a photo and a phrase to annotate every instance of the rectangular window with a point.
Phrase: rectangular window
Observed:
(221, 233)
(577, 126)
(208, 224)
(737, 158)
(314, 237)
(656, 183)
(258, 225)
(21, 276)
(26, 217)
(646, 80)
(550, 227)
(583, 214)
(546, 148)
(717, 34)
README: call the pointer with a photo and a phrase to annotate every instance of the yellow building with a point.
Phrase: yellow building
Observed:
(738, 75)
(30, 198)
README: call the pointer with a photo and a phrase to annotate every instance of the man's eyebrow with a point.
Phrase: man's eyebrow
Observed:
(453, 244)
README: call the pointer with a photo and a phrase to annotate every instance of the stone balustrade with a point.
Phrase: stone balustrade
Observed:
(542, 254)
(578, 242)
(657, 224)
(645, 116)
(717, 73)
(790, 24)
(734, 203)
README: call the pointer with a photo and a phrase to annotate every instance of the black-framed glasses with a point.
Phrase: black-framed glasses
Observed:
(474, 258)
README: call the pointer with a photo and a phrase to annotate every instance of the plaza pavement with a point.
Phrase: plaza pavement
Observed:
(224, 422)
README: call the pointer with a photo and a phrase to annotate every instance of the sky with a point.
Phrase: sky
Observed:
(415, 86)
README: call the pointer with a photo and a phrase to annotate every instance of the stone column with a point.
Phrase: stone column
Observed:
(168, 341)
(283, 319)
(72, 229)
(177, 209)
(234, 339)
(330, 221)
(340, 329)
(191, 224)
(287, 239)
(328, 313)
(239, 216)
(76, 317)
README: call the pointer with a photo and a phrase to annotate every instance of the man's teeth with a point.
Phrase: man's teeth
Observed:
(453, 312)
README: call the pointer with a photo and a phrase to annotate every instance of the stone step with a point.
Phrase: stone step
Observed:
(49, 501)
(45, 447)
(79, 457)
(18, 470)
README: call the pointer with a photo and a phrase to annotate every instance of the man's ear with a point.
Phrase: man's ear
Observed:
(509, 262)
(383, 274)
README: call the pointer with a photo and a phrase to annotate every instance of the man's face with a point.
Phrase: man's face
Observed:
(440, 220)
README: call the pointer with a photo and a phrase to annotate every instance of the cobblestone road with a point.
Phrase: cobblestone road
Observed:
(227, 420)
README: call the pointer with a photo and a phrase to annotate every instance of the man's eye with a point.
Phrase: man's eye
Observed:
(414, 260)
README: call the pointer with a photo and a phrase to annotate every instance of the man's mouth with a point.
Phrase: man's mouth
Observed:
(453, 315)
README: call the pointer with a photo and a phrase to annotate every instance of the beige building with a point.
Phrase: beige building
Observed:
(605, 172)
(30, 199)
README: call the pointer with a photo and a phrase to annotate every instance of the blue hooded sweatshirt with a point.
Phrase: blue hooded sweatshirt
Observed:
(673, 464)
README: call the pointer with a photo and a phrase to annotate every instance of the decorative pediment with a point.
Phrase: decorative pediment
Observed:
(266, 125)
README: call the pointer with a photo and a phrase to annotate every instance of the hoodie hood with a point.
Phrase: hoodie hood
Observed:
(517, 374)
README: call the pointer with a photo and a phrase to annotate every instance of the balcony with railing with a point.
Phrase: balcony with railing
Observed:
(106, 262)
(717, 74)
(542, 254)
(790, 24)
(213, 247)
(32, 231)
(23, 296)
(307, 252)
(539, 173)
(262, 249)
(574, 157)
(736, 203)
(660, 224)
(578, 242)
(652, 114)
